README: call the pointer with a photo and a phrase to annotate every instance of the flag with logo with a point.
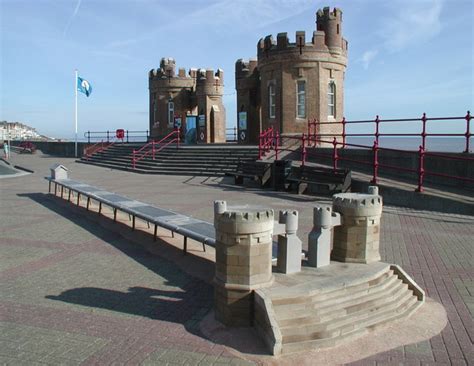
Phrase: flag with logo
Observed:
(84, 86)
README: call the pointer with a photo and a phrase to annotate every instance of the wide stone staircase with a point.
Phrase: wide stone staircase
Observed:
(205, 160)
(325, 317)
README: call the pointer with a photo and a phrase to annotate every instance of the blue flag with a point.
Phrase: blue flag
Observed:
(83, 86)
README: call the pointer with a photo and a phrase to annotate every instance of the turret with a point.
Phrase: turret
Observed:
(210, 83)
(330, 22)
(168, 66)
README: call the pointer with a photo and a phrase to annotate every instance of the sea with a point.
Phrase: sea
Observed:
(434, 144)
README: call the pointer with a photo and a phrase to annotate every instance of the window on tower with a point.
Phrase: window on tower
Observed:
(301, 99)
(331, 99)
(170, 114)
(271, 101)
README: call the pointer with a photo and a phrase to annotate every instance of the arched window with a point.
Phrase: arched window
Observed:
(170, 114)
(301, 99)
(331, 99)
(271, 101)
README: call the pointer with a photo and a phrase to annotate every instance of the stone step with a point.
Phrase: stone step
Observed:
(176, 163)
(374, 323)
(166, 170)
(308, 299)
(345, 323)
(323, 309)
(187, 160)
(161, 171)
(294, 347)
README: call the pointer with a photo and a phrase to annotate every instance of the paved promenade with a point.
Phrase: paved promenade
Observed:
(77, 289)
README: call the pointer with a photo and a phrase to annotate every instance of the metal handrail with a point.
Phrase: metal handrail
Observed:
(312, 138)
(314, 124)
(89, 150)
(153, 150)
(89, 135)
(420, 171)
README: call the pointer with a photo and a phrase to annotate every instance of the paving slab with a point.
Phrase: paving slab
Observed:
(75, 290)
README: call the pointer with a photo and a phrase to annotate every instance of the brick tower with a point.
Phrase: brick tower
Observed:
(295, 81)
(195, 94)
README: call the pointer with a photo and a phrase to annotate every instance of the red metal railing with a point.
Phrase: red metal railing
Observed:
(151, 147)
(99, 146)
(313, 138)
(268, 140)
(314, 128)
(420, 172)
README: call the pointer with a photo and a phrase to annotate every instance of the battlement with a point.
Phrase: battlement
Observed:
(357, 204)
(326, 38)
(205, 76)
(246, 215)
(167, 70)
(326, 13)
(244, 68)
(282, 43)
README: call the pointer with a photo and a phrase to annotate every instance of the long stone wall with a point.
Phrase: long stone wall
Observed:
(63, 149)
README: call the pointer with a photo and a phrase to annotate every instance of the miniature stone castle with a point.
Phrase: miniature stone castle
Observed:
(177, 100)
(342, 292)
(289, 83)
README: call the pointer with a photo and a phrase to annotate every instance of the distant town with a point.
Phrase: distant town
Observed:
(19, 131)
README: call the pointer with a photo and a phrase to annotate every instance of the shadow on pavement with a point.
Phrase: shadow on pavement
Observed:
(188, 302)
(173, 306)
(227, 185)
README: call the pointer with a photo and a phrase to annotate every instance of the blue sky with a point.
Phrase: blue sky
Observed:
(405, 56)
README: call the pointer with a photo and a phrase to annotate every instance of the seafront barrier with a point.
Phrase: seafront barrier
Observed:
(402, 159)
(57, 148)
(398, 158)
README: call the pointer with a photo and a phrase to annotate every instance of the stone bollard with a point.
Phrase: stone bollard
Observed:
(289, 245)
(319, 239)
(357, 239)
(243, 260)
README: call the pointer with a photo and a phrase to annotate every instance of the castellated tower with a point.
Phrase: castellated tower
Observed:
(296, 81)
(194, 98)
(209, 91)
(248, 100)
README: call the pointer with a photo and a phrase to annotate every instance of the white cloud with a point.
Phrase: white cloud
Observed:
(414, 22)
(228, 16)
(367, 58)
(76, 10)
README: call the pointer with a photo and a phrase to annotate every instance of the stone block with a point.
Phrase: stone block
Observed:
(289, 254)
(59, 172)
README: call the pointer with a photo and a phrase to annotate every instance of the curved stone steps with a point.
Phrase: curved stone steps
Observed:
(344, 299)
(374, 323)
(338, 293)
(371, 316)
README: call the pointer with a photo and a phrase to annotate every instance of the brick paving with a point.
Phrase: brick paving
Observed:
(74, 292)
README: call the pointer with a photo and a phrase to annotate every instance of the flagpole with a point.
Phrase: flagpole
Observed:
(75, 116)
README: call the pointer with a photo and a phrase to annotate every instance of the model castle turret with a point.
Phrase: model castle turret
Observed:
(194, 97)
(291, 82)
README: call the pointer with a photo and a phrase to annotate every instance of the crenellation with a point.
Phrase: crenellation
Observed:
(300, 38)
(269, 42)
(282, 40)
(318, 40)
